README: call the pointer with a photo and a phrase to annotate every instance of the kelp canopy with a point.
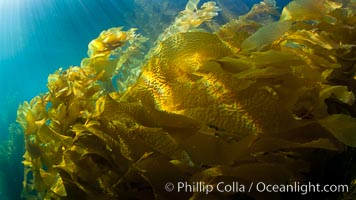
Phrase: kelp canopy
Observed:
(256, 101)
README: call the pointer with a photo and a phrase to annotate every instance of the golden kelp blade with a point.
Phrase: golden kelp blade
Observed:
(342, 127)
(191, 18)
(265, 36)
(55, 182)
(309, 9)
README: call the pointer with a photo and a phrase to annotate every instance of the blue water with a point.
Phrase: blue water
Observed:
(39, 36)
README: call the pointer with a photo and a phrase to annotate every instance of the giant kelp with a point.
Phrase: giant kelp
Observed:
(255, 101)
(11, 151)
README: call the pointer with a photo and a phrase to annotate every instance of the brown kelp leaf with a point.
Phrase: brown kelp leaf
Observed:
(265, 36)
(31, 125)
(123, 140)
(158, 172)
(164, 143)
(342, 127)
(147, 116)
(99, 106)
(102, 65)
(270, 144)
(275, 59)
(186, 51)
(109, 40)
(235, 65)
(67, 163)
(340, 92)
(107, 138)
(54, 181)
(213, 150)
(52, 140)
(322, 143)
(309, 38)
(308, 9)
(268, 72)
(32, 116)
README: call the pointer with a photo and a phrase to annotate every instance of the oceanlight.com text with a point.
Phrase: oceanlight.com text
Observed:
(301, 188)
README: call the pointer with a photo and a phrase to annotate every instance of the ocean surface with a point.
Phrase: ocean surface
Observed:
(37, 37)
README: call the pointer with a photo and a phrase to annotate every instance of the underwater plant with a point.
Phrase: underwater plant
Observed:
(256, 101)
(11, 152)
